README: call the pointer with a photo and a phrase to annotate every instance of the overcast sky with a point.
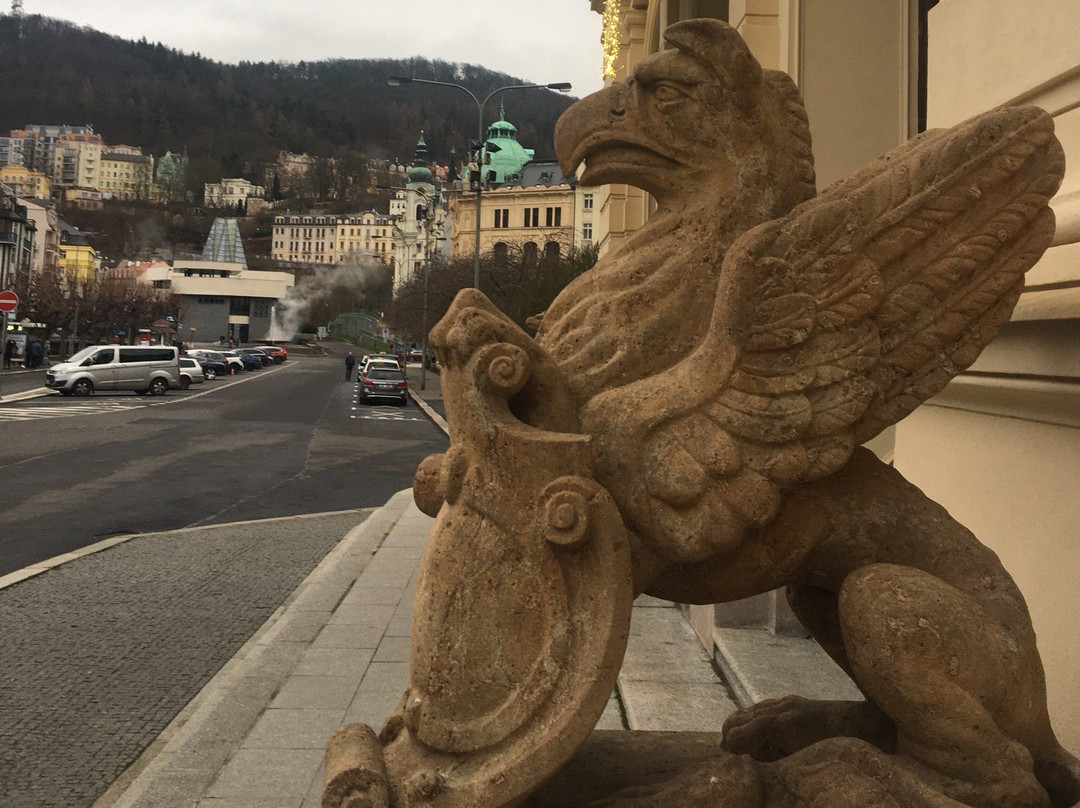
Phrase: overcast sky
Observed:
(542, 42)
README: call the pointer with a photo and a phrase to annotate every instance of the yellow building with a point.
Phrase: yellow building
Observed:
(1000, 446)
(26, 183)
(80, 263)
(525, 205)
(361, 236)
(323, 238)
(535, 216)
(126, 173)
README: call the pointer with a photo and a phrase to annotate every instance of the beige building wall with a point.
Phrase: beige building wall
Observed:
(125, 175)
(85, 153)
(1000, 447)
(511, 204)
(622, 209)
(363, 237)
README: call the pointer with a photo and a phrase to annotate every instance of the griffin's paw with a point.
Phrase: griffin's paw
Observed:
(778, 728)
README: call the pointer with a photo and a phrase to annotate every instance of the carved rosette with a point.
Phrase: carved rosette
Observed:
(523, 605)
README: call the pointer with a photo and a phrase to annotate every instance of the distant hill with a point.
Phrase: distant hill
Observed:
(231, 117)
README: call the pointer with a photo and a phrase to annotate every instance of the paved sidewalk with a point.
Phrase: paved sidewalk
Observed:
(337, 652)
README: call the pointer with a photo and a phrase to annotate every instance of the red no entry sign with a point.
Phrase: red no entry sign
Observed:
(9, 301)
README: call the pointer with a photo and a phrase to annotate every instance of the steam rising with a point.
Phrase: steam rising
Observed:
(348, 282)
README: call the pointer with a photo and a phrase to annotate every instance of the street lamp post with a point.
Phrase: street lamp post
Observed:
(561, 86)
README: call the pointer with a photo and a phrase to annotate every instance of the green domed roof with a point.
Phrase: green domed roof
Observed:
(420, 172)
(507, 161)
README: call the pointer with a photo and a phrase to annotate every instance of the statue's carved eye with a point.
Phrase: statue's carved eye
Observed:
(668, 97)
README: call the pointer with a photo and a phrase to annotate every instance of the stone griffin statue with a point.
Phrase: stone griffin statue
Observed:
(687, 423)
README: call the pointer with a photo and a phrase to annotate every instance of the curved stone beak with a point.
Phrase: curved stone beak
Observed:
(581, 123)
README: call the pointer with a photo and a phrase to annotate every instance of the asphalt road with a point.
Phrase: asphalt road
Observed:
(282, 441)
(100, 654)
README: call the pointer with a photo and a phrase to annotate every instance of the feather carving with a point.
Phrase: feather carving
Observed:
(829, 324)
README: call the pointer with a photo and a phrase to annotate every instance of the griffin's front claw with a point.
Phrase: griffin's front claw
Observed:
(355, 770)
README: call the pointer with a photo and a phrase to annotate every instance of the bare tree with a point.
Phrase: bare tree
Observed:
(519, 284)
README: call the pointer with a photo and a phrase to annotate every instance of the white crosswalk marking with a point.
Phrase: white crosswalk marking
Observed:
(66, 410)
(389, 413)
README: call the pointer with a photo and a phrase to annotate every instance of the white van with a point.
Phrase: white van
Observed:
(143, 368)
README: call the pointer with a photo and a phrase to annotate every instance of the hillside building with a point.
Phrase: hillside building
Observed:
(293, 174)
(126, 173)
(26, 183)
(39, 141)
(231, 193)
(83, 198)
(170, 177)
(45, 256)
(324, 238)
(17, 237)
(78, 260)
(23, 148)
(77, 160)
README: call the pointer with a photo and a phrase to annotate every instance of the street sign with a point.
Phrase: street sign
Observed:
(9, 301)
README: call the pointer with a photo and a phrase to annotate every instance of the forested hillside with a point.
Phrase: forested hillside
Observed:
(231, 117)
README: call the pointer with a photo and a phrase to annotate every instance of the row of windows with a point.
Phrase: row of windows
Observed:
(129, 355)
(552, 217)
(295, 232)
(529, 250)
(321, 246)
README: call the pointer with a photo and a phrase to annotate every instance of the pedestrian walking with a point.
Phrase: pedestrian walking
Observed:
(10, 350)
(350, 363)
(33, 354)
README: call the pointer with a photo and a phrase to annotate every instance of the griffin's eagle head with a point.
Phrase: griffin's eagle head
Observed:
(687, 115)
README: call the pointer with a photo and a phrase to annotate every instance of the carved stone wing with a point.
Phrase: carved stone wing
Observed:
(830, 324)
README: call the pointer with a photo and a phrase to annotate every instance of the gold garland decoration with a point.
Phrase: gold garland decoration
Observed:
(609, 37)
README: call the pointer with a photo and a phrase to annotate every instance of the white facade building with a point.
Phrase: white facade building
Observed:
(229, 193)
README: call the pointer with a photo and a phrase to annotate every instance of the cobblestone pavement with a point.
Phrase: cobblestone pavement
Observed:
(97, 656)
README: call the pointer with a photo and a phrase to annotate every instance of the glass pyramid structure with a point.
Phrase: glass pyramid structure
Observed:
(223, 243)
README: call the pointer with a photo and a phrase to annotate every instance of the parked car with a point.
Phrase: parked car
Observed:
(276, 352)
(211, 367)
(265, 360)
(249, 362)
(140, 368)
(378, 360)
(382, 381)
(191, 372)
(232, 362)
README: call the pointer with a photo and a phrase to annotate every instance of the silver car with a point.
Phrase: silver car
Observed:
(141, 368)
(191, 372)
(383, 381)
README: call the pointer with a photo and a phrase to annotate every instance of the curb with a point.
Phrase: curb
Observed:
(33, 570)
(27, 394)
(429, 412)
(191, 751)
